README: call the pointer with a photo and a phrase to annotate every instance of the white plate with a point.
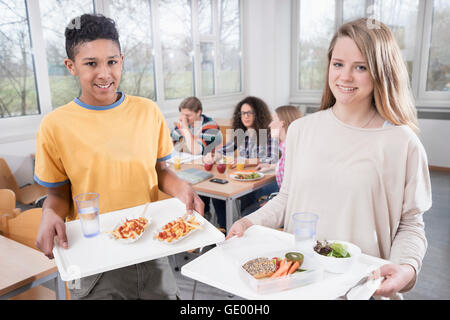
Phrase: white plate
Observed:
(179, 239)
(234, 176)
(129, 240)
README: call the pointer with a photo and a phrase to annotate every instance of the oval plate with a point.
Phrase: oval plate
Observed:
(129, 240)
(235, 174)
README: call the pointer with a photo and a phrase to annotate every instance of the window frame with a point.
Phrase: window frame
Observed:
(21, 128)
(429, 100)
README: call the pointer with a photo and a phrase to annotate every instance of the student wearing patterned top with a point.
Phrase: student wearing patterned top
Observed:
(110, 143)
(358, 162)
(200, 133)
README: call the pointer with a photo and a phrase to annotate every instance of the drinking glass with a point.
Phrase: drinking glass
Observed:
(87, 207)
(304, 229)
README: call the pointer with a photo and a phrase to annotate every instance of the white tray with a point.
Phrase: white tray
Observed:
(257, 240)
(88, 256)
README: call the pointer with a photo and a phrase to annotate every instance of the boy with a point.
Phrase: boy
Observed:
(200, 133)
(110, 143)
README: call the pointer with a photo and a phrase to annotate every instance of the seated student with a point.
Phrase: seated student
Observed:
(281, 119)
(200, 133)
(110, 143)
(251, 117)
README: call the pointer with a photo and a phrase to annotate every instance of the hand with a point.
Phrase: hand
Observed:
(184, 122)
(192, 200)
(208, 158)
(262, 166)
(238, 228)
(51, 225)
(396, 277)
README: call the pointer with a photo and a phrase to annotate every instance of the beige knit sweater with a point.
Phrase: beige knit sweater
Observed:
(368, 186)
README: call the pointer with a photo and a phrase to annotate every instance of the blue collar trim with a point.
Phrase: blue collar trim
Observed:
(100, 108)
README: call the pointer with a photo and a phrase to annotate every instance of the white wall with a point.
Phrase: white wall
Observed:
(267, 42)
(435, 136)
(17, 155)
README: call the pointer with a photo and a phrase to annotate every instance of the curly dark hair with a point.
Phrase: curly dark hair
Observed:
(89, 27)
(261, 110)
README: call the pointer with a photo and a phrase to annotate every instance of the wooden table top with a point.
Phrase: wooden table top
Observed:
(21, 265)
(230, 189)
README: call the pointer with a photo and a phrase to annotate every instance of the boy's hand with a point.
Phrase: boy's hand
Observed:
(191, 200)
(51, 225)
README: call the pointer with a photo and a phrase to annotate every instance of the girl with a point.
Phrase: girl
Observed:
(281, 120)
(358, 162)
(251, 118)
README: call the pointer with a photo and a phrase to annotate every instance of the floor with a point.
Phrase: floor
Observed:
(434, 278)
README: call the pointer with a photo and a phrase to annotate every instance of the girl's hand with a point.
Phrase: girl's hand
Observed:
(238, 228)
(209, 158)
(396, 277)
(262, 166)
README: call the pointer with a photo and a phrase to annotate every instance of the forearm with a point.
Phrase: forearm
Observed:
(169, 182)
(58, 201)
(193, 146)
(410, 244)
(272, 214)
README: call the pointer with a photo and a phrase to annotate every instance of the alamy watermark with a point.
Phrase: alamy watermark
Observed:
(74, 24)
(248, 144)
(373, 22)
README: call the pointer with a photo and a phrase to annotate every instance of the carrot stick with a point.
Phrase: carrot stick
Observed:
(285, 272)
(282, 269)
(294, 267)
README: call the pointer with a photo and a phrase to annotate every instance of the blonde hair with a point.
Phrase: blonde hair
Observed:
(288, 114)
(392, 94)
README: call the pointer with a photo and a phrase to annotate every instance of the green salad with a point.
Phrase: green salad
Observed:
(335, 249)
(242, 176)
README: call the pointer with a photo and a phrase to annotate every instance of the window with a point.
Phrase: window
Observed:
(426, 53)
(316, 27)
(173, 49)
(55, 16)
(229, 73)
(133, 21)
(353, 9)
(18, 91)
(175, 31)
(401, 18)
(438, 76)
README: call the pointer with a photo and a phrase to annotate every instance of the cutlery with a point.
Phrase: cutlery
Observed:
(359, 283)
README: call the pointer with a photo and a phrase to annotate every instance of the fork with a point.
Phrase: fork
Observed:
(359, 283)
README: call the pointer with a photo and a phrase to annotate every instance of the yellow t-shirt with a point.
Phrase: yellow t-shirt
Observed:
(111, 150)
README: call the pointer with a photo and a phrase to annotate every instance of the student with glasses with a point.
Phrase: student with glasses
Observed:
(251, 138)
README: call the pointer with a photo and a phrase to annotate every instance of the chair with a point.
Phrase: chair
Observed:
(8, 202)
(28, 194)
(23, 228)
